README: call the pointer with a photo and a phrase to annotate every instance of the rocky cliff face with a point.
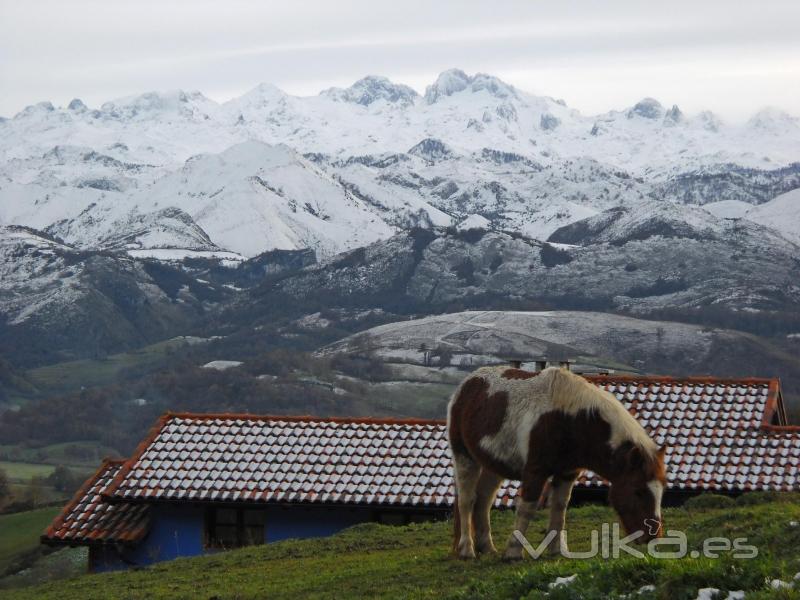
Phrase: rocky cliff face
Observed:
(648, 264)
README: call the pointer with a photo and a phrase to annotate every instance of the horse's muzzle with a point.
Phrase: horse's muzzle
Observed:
(653, 528)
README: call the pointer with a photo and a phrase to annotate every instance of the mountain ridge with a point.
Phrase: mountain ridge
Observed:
(176, 176)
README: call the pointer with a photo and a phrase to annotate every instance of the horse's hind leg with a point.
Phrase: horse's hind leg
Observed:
(560, 492)
(526, 503)
(486, 492)
(467, 473)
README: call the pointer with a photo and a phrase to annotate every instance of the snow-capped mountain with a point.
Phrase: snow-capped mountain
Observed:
(175, 174)
(375, 115)
(247, 199)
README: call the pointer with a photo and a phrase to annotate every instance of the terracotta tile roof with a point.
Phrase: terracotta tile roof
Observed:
(718, 435)
(88, 519)
(250, 458)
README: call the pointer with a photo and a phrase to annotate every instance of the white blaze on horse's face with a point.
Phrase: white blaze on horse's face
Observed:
(657, 489)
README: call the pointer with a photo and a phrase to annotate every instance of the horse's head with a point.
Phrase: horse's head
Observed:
(637, 489)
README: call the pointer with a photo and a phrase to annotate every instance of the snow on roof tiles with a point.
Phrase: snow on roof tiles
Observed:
(87, 518)
(719, 436)
(720, 426)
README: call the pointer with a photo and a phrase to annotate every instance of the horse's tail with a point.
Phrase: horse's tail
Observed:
(456, 524)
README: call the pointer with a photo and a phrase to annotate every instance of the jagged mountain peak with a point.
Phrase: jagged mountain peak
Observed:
(77, 105)
(373, 88)
(448, 83)
(34, 109)
(773, 119)
(709, 121)
(263, 91)
(494, 85)
(673, 116)
(648, 108)
(255, 104)
(155, 103)
(454, 81)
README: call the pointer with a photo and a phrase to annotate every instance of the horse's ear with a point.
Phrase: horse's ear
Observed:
(662, 451)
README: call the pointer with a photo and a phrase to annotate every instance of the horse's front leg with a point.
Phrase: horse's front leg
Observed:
(526, 502)
(560, 492)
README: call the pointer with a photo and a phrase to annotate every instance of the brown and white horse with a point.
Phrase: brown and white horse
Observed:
(506, 423)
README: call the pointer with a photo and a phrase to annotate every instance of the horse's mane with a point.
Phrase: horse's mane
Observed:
(571, 394)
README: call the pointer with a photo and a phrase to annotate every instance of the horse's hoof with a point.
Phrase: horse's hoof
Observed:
(466, 552)
(490, 549)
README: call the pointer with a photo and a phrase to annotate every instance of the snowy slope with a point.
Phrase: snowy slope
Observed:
(781, 213)
(248, 199)
(728, 209)
(559, 333)
(477, 337)
(58, 302)
(37, 277)
(618, 225)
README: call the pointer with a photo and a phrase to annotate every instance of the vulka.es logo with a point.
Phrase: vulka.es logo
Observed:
(607, 543)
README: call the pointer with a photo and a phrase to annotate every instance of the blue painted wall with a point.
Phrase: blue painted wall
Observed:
(175, 531)
(301, 522)
(179, 530)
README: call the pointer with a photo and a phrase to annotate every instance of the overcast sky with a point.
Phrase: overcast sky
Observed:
(728, 56)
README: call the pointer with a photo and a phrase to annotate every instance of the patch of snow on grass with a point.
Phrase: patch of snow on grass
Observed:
(711, 593)
(561, 581)
(222, 365)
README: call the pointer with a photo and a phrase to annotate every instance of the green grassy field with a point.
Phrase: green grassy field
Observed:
(20, 476)
(82, 456)
(73, 375)
(376, 561)
(21, 472)
(427, 400)
(19, 532)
